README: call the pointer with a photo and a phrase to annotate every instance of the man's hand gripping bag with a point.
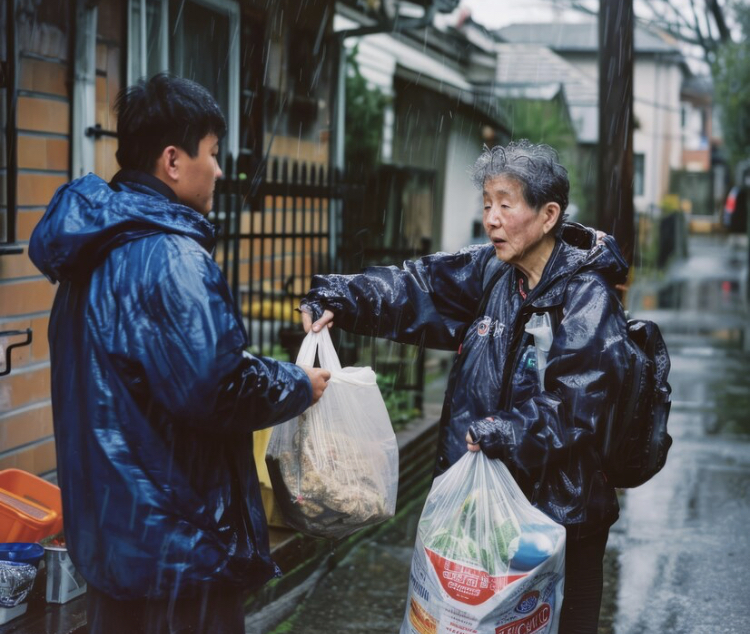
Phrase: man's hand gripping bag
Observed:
(334, 468)
(485, 561)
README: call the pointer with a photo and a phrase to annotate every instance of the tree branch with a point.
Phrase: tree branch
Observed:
(721, 24)
(675, 15)
(674, 32)
(699, 32)
(583, 8)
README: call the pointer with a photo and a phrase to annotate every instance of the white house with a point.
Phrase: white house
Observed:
(659, 70)
(442, 111)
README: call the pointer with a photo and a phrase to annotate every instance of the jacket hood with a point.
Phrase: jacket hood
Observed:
(577, 250)
(606, 257)
(88, 218)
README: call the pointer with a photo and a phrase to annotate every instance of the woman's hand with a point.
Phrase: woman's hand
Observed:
(470, 444)
(319, 379)
(307, 322)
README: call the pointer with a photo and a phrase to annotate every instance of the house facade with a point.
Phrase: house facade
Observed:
(659, 70)
(441, 109)
(276, 69)
(703, 158)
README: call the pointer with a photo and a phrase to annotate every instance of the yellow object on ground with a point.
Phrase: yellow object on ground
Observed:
(260, 442)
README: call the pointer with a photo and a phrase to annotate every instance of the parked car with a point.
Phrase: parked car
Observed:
(735, 210)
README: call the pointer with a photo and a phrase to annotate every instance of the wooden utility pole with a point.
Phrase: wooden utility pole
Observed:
(615, 213)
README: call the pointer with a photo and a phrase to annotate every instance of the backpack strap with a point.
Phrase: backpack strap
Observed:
(555, 317)
(488, 286)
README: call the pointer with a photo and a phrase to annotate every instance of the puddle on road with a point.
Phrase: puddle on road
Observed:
(682, 543)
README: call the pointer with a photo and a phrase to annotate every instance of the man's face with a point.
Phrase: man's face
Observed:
(197, 175)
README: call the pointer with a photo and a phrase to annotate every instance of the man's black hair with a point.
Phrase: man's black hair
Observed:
(165, 110)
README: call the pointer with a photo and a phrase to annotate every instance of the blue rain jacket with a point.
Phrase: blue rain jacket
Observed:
(547, 436)
(153, 396)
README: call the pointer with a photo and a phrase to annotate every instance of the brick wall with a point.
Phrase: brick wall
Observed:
(43, 151)
(44, 137)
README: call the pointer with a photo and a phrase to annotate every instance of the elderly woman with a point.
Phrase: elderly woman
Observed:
(540, 337)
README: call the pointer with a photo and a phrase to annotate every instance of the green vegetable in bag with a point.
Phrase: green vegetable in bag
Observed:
(476, 535)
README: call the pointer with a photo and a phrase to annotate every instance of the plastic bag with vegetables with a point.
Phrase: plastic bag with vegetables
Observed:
(485, 561)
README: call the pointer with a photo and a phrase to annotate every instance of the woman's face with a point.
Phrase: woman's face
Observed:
(514, 227)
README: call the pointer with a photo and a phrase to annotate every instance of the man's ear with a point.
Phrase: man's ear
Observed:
(551, 213)
(168, 164)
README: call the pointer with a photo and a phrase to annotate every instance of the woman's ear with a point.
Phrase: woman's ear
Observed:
(551, 213)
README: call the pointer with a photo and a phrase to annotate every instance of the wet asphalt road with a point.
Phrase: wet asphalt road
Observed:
(678, 560)
(682, 544)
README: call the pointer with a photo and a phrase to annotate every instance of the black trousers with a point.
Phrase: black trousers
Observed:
(584, 579)
(212, 610)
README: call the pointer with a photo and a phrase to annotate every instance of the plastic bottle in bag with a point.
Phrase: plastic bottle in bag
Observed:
(540, 326)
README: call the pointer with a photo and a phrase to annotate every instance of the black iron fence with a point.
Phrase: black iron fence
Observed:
(274, 235)
(298, 220)
(393, 223)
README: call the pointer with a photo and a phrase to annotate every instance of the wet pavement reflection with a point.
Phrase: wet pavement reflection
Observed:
(678, 559)
(682, 544)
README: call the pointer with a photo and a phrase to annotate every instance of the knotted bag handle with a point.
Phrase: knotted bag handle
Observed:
(321, 342)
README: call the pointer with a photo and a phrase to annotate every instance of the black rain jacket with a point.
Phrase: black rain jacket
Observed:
(153, 395)
(547, 437)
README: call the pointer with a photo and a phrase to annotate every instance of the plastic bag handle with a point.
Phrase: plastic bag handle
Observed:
(320, 342)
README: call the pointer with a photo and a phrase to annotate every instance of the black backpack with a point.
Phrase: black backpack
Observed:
(634, 438)
(635, 441)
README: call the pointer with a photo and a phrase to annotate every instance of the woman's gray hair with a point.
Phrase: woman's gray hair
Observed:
(535, 167)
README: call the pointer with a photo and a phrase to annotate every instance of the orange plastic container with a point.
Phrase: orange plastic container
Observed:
(30, 507)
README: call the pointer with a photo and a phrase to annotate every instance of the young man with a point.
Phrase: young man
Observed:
(154, 398)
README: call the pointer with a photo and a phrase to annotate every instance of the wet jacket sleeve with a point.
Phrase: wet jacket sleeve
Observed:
(429, 301)
(586, 364)
(191, 350)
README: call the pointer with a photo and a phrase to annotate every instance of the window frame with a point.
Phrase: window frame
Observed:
(231, 9)
(639, 174)
(143, 28)
(83, 111)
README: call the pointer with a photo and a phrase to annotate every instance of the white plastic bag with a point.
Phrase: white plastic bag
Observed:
(485, 561)
(334, 469)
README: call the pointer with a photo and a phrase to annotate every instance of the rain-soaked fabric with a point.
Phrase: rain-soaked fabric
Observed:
(547, 438)
(214, 609)
(154, 398)
(584, 583)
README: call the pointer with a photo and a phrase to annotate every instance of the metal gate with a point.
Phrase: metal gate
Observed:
(297, 220)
